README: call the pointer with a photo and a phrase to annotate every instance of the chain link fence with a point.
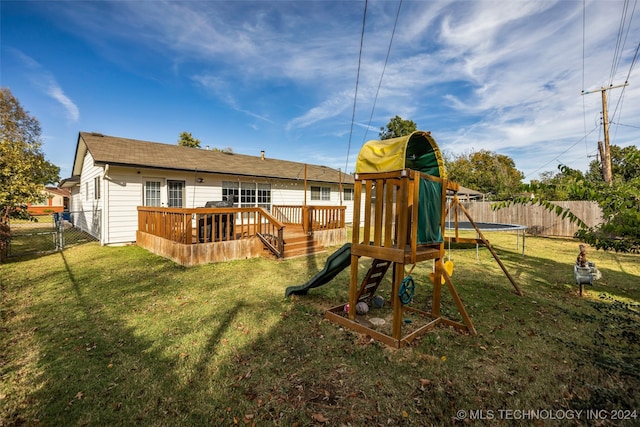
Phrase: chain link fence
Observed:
(46, 233)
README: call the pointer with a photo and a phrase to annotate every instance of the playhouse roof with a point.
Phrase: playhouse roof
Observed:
(417, 151)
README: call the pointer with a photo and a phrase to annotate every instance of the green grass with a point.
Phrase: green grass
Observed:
(118, 336)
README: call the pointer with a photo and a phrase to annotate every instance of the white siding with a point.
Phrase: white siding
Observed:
(87, 210)
(123, 187)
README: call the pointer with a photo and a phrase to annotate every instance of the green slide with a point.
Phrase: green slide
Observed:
(338, 261)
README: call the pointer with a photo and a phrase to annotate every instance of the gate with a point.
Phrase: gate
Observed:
(45, 233)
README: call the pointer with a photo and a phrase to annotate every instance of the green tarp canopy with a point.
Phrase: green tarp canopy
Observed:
(420, 152)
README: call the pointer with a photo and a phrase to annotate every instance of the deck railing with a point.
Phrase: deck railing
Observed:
(312, 218)
(206, 225)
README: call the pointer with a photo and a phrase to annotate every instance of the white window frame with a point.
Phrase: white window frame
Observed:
(320, 193)
(176, 193)
(96, 188)
(145, 187)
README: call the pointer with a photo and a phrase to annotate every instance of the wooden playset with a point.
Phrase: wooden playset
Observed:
(400, 205)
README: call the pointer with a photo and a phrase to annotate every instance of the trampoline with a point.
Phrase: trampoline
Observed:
(489, 226)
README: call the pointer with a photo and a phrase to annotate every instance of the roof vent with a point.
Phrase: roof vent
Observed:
(262, 154)
(97, 134)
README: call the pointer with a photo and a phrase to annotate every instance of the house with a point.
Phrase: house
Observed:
(112, 176)
(468, 195)
(55, 200)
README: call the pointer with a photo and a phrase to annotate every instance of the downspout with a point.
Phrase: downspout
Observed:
(104, 202)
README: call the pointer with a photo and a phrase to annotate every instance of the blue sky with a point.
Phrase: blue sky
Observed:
(280, 76)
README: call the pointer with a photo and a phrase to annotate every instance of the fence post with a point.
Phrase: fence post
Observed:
(60, 233)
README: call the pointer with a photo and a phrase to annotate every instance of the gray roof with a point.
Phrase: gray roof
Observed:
(469, 192)
(117, 151)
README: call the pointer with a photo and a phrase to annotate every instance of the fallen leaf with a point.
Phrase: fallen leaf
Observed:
(79, 395)
(424, 382)
(405, 414)
(320, 418)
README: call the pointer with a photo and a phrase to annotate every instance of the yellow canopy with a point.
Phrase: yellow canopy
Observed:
(418, 151)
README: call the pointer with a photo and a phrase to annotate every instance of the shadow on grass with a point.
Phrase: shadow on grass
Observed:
(133, 343)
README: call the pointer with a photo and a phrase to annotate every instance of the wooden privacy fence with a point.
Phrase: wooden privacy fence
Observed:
(538, 220)
(312, 218)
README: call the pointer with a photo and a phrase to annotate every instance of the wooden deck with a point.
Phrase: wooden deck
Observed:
(193, 236)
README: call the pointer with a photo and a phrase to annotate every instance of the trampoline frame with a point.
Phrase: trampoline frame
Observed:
(489, 226)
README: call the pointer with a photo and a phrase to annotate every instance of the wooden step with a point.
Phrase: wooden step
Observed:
(302, 246)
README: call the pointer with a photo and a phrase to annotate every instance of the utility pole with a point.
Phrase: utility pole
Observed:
(605, 149)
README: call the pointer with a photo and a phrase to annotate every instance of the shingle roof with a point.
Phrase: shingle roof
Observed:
(130, 152)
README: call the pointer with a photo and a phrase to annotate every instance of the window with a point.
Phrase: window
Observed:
(347, 194)
(248, 194)
(230, 191)
(320, 193)
(264, 196)
(151, 193)
(175, 194)
(96, 188)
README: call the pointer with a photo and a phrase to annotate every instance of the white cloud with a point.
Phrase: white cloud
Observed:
(497, 75)
(46, 81)
(54, 91)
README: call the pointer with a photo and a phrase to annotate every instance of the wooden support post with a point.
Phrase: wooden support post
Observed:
(437, 288)
(353, 288)
(458, 301)
(495, 255)
(398, 276)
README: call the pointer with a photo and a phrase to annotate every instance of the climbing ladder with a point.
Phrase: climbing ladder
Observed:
(372, 280)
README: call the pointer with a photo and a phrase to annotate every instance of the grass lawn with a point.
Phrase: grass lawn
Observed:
(117, 336)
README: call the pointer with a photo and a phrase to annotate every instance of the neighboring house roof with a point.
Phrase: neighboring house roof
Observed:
(469, 192)
(69, 182)
(116, 151)
(58, 191)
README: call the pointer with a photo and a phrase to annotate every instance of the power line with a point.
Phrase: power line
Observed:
(556, 158)
(618, 54)
(628, 126)
(584, 108)
(375, 100)
(619, 43)
(355, 96)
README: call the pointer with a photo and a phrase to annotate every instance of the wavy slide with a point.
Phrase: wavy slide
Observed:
(338, 261)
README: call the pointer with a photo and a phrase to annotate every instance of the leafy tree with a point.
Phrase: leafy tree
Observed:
(24, 171)
(228, 150)
(555, 186)
(491, 173)
(625, 164)
(620, 202)
(187, 140)
(397, 127)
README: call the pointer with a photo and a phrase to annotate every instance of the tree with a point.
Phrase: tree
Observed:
(625, 164)
(397, 127)
(555, 186)
(620, 202)
(491, 173)
(24, 171)
(187, 140)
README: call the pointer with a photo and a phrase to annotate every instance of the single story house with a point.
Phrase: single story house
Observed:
(55, 200)
(468, 195)
(112, 176)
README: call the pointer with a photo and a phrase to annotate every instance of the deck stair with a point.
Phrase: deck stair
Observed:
(300, 244)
